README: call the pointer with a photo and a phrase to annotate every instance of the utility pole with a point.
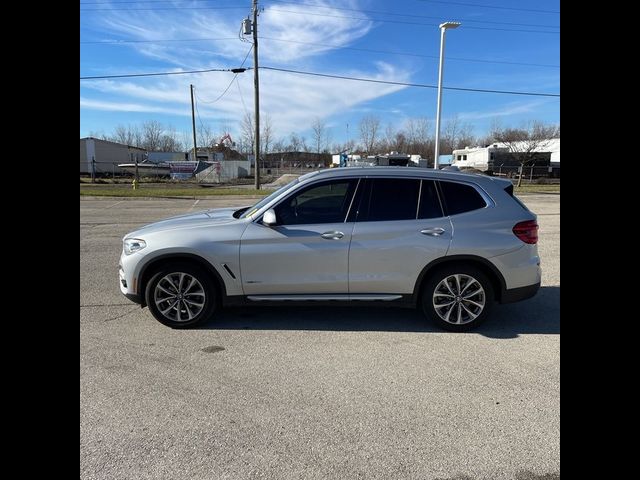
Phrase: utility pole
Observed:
(256, 86)
(193, 125)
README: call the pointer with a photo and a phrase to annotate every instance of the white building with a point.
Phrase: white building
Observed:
(482, 158)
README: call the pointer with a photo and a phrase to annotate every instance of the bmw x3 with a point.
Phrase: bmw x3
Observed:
(448, 243)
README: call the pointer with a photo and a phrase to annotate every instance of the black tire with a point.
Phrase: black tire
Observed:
(187, 310)
(463, 308)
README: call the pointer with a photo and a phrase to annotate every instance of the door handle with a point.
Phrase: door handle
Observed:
(333, 235)
(434, 232)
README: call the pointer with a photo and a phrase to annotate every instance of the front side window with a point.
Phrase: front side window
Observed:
(460, 198)
(327, 202)
(391, 199)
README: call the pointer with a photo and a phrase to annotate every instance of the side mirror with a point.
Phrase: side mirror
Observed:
(269, 218)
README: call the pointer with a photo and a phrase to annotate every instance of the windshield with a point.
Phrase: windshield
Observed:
(267, 199)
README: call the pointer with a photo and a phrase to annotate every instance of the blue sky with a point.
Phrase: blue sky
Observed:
(386, 40)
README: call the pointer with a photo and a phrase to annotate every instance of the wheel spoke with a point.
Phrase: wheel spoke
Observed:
(469, 283)
(191, 284)
(441, 305)
(170, 307)
(186, 307)
(198, 305)
(443, 295)
(473, 294)
(471, 314)
(457, 277)
(459, 314)
(479, 305)
(172, 294)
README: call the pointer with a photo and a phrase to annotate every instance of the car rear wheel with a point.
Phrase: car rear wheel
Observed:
(181, 295)
(457, 298)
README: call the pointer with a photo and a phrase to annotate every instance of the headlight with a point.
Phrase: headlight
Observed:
(132, 245)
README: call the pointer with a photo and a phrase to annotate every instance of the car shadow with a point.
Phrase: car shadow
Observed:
(537, 315)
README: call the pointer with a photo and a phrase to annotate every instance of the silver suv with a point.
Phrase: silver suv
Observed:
(450, 243)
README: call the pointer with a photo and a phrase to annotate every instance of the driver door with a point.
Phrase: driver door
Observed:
(307, 251)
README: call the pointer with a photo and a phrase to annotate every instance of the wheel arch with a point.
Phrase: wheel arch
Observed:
(485, 266)
(152, 266)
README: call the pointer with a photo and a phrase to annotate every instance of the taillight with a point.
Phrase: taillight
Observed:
(527, 231)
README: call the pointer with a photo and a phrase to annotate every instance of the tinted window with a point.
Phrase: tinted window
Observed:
(392, 199)
(429, 202)
(459, 198)
(327, 202)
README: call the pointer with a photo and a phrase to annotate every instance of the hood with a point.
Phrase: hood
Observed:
(214, 216)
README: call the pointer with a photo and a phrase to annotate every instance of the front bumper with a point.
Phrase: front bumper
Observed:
(128, 285)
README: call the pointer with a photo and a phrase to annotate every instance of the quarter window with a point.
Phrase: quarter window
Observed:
(460, 198)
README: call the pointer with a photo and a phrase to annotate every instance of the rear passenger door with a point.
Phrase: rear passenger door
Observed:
(400, 228)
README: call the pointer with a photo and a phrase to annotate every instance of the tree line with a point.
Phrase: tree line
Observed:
(412, 136)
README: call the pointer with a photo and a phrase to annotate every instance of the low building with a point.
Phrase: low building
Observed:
(103, 156)
(496, 157)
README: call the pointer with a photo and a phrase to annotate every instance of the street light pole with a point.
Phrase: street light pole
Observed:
(443, 29)
(256, 86)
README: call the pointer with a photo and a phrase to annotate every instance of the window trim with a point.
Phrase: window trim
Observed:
(276, 203)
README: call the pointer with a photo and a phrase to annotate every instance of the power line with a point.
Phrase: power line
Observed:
(410, 54)
(377, 12)
(407, 23)
(166, 73)
(315, 5)
(244, 107)
(490, 6)
(116, 42)
(422, 85)
(324, 15)
(161, 8)
(234, 77)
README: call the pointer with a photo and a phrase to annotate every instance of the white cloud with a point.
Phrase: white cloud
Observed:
(290, 100)
(513, 108)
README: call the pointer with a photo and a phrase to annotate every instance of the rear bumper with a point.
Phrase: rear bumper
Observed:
(520, 293)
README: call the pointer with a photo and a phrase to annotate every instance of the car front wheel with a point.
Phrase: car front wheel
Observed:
(181, 295)
(457, 298)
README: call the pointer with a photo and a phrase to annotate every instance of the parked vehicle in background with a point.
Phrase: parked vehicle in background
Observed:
(449, 243)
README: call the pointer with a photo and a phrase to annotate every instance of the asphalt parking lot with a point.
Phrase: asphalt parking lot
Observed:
(276, 393)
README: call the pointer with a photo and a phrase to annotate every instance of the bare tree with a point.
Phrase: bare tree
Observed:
(170, 142)
(295, 145)
(319, 128)
(206, 137)
(279, 146)
(247, 133)
(451, 133)
(369, 126)
(152, 131)
(525, 143)
(266, 136)
(123, 135)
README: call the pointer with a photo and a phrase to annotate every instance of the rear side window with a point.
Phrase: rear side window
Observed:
(460, 198)
(392, 199)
